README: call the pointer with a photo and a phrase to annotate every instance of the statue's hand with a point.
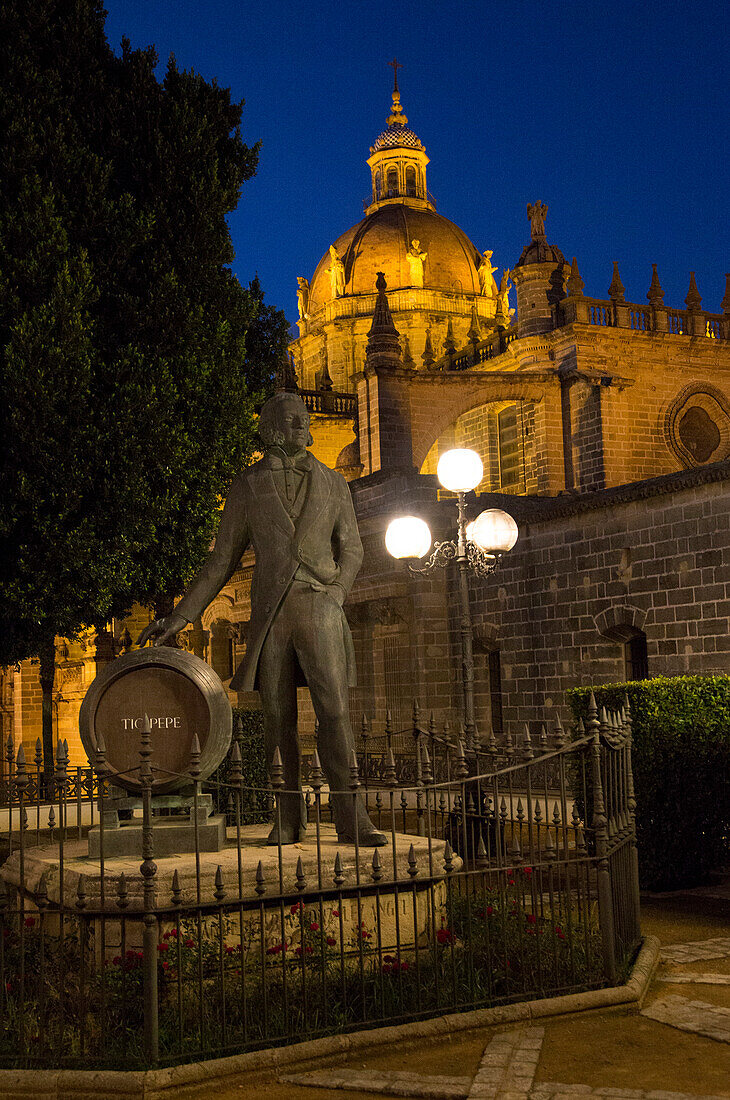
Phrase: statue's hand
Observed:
(162, 629)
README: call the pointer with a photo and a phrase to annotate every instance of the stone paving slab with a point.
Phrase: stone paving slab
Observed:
(507, 1069)
(697, 950)
(697, 1016)
(391, 1083)
(680, 977)
(551, 1090)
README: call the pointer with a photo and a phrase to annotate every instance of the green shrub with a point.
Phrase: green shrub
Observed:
(681, 761)
(253, 764)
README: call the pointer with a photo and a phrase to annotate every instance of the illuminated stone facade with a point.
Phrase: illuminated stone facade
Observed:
(604, 428)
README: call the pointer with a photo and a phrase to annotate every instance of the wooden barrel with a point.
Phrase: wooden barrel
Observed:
(179, 693)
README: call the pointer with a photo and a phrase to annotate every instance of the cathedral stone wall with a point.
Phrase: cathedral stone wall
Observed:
(590, 573)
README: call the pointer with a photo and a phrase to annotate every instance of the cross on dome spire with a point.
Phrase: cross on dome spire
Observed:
(396, 116)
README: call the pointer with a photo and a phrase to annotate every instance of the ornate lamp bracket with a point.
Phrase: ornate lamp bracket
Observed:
(478, 560)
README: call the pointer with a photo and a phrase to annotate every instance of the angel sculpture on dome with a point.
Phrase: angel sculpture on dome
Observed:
(485, 271)
(536, 213)
(416, 260)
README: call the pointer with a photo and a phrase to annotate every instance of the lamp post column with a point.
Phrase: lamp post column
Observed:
(465, 627)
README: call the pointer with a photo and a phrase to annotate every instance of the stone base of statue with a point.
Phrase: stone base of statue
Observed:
(173, 835)
(404, 895)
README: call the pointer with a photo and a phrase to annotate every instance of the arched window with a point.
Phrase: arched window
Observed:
(410, 181)
(392, 183)
(378, 184)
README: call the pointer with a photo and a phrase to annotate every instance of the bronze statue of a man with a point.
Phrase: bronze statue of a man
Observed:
(298, 516)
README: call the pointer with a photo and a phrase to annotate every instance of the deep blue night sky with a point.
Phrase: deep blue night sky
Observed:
(616, 115)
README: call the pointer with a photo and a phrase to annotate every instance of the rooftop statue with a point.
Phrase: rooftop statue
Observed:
(536, 214)
(297, 514)
(487, 284)
(303, 297)
(416, 260)
(337, 274)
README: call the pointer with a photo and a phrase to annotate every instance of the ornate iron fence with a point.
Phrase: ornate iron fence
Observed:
(503, 879)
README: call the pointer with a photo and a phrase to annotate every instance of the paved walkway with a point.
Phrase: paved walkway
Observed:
(677, 1048)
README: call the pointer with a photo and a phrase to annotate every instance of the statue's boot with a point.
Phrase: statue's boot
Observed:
(344, 814)
(288, 834)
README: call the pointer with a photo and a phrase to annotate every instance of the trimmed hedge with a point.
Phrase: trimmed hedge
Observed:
(681, 765)
(253, 764)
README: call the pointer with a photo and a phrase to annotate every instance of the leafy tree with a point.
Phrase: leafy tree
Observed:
(126, 401)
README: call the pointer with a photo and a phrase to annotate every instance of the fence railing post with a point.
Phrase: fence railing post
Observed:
(148, 871)
(605, 899)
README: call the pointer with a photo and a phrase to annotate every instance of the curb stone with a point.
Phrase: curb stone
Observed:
(158, 1084)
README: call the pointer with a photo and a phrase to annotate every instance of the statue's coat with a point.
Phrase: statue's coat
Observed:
(325, 541)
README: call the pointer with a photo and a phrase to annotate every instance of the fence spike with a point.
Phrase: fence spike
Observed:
(482, 860)
(81, 892)
(432, 726)
(10, 749)
(416, 717)
(38, 753)
(235, 772)
(378, 801)
(316, 775)
(219, 893)
(21, 775)
(412, 863)
(388, 725)
(403, 801)
(580, 728)
(543, 739)
(514, 850)
(508, 745)
(580, 844)
(550, 852)
(448, 858)
(527, 750)
(426, 773)
(556, 815)
(376, 874)
(260, 884)
(41, 892)
(354, 772)
(462, 768)
(592, 724)
(122, 892)
(276, 771)
(520, 811)
(301, 878)
(176, 891)
(538, 813)
(338, 878)
(559, 732)
(389, 775)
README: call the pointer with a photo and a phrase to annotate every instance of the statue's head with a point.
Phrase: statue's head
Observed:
(284, 422)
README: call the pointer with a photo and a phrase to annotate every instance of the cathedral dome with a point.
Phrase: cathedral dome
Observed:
(381, 241)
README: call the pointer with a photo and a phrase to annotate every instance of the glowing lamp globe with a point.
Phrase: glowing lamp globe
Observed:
(460, 470)
(493, 530)
(407, 537)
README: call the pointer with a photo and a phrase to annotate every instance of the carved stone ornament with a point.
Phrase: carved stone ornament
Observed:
(697, 425)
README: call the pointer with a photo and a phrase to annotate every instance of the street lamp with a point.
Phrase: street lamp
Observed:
(479, 546)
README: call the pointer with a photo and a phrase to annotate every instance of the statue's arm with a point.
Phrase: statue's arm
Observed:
(349, 552)
(231, 542)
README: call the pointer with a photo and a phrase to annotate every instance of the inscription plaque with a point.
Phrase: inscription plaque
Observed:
(181, 696)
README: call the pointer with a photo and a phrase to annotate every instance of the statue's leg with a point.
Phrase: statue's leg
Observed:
(319, 644)
(277, 688)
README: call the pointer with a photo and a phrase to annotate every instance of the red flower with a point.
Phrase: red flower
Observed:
(314, 927)
(445, 935)
(295, 908)
(190, 943)
(527, 870)
(335, 912)
(230, 950)
(307, 950)
(167, 935)
(29, 922)
(510, 882)
(531, 918)
(330, 941)
(163, 947)
(363, 934)
(165, 964)
(490, 910)
(559, 932)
